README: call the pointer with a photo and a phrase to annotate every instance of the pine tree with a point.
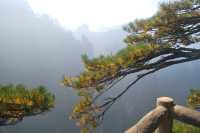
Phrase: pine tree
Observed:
(153, 44)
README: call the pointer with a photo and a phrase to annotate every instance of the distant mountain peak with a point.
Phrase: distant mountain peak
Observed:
(83, 29)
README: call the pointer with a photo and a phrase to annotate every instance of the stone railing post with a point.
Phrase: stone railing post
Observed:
(160, 119)
(166, 123)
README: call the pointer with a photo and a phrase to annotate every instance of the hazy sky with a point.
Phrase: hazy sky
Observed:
(97, 14)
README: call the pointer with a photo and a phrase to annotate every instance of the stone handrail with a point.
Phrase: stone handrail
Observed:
(160, 119)
(186, 115)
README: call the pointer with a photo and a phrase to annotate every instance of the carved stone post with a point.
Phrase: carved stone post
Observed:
(166, 123)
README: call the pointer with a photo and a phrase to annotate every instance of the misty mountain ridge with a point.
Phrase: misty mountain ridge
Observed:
(44, 47)
(36, 43)
(104, 42)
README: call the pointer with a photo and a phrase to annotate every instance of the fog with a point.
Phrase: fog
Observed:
(41, 44)
(35, 42)
(104, 42)
(36, 50)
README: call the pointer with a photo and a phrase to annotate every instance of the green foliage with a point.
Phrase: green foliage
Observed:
(193, 98)
(156, 37)
(179, 127)
(84, 113)
(16, 101)
(107, 66)
(193, 101)
(175, 22)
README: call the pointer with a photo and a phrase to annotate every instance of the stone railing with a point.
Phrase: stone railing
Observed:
(160, 119)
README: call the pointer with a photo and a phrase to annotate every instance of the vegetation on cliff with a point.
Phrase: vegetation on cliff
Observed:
(18, 101)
